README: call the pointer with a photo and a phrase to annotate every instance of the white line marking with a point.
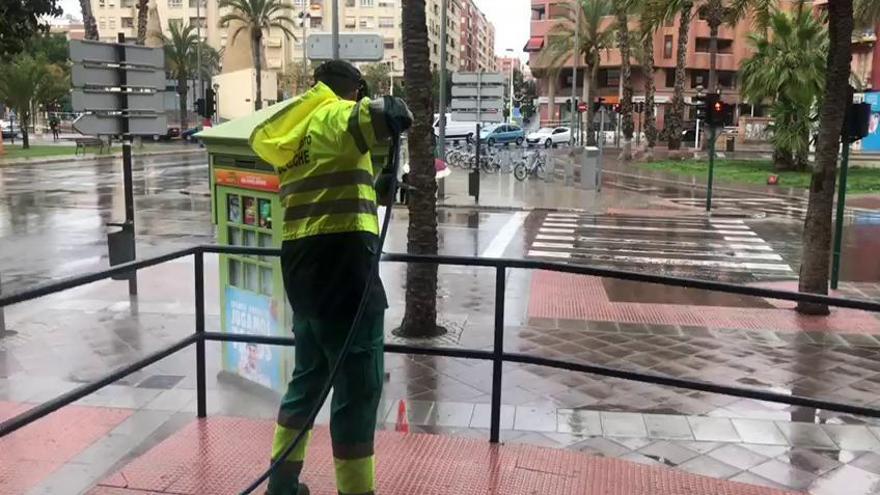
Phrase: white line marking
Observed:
(566, 215)
(587, 251)
(656, 229)
(745, 239)
(757, 245)
(505, 235)
(548, 254)
(773, 267)
(556, 231)
(543, 237)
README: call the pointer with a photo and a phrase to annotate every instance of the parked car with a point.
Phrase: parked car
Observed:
(9, 130)
(548, 136)
(502, 133)
(190, 134)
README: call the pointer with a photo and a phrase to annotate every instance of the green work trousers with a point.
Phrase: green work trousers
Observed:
(356, 393)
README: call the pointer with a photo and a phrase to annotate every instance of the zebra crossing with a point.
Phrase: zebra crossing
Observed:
(719, 249)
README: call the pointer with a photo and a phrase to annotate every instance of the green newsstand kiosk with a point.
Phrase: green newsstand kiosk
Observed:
(247, 211)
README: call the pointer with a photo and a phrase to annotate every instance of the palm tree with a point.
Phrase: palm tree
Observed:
(593, 36)
(866, 13)
(650, 17)
(142, 9)
(788, 67)
(674, 121)
(21, 82)
(89, 23)
(257, 16)
(622, 9)
(180, 61)
(817, 226)
(420, 315)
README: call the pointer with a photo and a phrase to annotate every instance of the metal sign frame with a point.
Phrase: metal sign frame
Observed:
(356, 47)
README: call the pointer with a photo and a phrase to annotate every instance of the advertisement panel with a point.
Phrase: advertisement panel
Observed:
(871, 142)
(253, 314)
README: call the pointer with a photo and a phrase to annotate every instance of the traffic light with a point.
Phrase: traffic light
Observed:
(210, 103)
(716, 111)
(856, 123)
(616, 108)
(701, 104)
(200, 107)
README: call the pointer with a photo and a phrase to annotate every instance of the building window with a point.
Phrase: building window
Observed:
(539, 12)
(724, 46)
(389, 44)
(127, 3)
(386, 22)
(670, 78)
(102, 23)
(175, 4)
(349, 3)
(316, 23)
(366, 3)
(387, 4)
(667, 46)
(435, 48)
(366, 22)
(175, 22)
(127, 22)
(699, 78)
(112, 23)
(350, 23)
(610, 78)
(102, 3)
(195, 4)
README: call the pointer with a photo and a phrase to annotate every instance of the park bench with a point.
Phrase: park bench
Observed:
(83, 142)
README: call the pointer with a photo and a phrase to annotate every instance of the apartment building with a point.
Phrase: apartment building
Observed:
(507, 64)
(477, 41)
(733, 48)
(120, 16)
(453, 33)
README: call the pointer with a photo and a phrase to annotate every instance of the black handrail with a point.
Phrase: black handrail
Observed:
(496, 355)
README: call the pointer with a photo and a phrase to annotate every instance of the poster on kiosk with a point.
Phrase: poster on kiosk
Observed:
(871, 142)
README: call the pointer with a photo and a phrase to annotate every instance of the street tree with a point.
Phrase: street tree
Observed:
(20, 20)
(142, 7)
(650, 16)
(258, 17)
(787, 69)
(817, 226)
(420, 315)
(181, 45)
(378, 78)
(622, 9)
(674, 120)
(593, 35)
(296, 80)
(21, 81)
(90, 24)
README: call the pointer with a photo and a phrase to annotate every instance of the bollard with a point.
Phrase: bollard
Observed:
(4, 332)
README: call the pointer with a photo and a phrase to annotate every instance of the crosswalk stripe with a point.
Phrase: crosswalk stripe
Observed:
(755, 246)
(548, 254)
(660, 252)
(655, 229)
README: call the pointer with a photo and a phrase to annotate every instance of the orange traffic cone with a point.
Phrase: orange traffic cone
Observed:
(402, 424)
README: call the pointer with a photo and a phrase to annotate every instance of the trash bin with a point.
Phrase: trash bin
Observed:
(120, 249)
(731, 143)
(247, 210)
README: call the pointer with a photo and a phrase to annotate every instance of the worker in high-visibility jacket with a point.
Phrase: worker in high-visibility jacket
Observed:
(320, 146)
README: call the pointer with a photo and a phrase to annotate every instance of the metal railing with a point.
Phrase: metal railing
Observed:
(497, 355)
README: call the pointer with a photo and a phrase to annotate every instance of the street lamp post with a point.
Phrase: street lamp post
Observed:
(199, 48)
(510, 106)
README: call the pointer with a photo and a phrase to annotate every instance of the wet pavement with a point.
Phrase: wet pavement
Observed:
(52, 224)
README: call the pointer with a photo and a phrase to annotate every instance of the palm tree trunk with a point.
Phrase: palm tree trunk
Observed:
(420, 314)
(585, 97)
(674, 120)
(551, 96)
(89, 23)
(817, 227)
(650, 118)
(256, 45)
(626, 106)
(181, 95)
(592, 70)
(713, 58)
(142, 21)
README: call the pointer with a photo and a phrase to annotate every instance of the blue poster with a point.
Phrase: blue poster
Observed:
(252, 314)
(871, 142)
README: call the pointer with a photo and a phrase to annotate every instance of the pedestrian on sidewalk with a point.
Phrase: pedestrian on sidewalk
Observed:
(320, 145)
(53, 124)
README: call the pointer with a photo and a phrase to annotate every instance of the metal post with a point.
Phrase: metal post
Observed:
(201, 406)
(841, 208)
(441, 148)
(335, 29)
(474, 177)
(497, 355)
(4, 332)
(199, 48)
(574, 66)
(697, 138)
(639, 130)
(711, 167)
(127, 180)
(303, 44)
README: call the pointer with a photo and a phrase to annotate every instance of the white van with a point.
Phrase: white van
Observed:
(455, 129)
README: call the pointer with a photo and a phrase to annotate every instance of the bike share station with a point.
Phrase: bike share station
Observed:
(247, 210)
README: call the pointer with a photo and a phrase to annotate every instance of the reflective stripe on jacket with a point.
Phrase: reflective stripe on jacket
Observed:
(320, 146)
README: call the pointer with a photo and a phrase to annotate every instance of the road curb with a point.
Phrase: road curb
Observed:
(93, 157)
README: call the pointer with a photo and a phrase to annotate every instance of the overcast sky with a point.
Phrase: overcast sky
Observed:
(510, 17)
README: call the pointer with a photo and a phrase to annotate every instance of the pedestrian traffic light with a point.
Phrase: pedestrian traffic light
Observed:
(856, 123)
(200, 107)
(700, 104)
(616, 108)
(210, 103)
(716, 110)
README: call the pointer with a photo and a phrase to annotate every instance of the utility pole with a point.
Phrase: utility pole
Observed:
(441, 146)
(574, 67)
(199, 47)
(335, 29)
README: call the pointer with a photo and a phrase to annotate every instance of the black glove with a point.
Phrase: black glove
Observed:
(398, 118)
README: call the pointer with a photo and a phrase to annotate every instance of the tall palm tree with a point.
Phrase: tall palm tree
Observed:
(788, 68)
(180, 61)
(593, 36)
(420, 315)
(142, 7)
(89, 23)
(817, 226)
(866, 13)
(683, 9)
(258, 16)
(650, 17)
(622, 10)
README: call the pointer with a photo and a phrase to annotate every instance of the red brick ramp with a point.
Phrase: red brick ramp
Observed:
(219, 456)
